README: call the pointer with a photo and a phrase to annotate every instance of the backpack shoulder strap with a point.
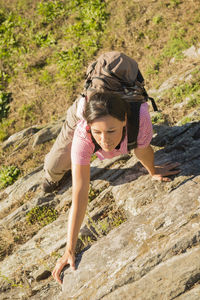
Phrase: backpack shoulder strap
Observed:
(133, 123)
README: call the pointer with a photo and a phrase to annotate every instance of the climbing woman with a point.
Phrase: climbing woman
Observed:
(110, 126)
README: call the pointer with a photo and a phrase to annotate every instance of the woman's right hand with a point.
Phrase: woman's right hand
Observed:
(67, 259)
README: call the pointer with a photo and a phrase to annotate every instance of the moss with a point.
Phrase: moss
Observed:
(43, 215)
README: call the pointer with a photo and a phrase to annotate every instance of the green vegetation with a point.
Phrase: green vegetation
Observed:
(5, 99)
(42, 215)
(8, 175)
(60, 35)
(157, 19)
(157, 118)
(109, 223)
(5, 124)
(186, 89)
(26, 112)
(177, 43)
(186, 120)
(84, 34)
(51, 11)
(93, 193)
(174, 3)
(11, 282)
(194, 102)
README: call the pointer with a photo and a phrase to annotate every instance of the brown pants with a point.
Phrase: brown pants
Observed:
(58, 160)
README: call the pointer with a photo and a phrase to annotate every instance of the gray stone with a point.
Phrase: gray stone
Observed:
(47, 134)
(42, 275)
(20, 137)
(192, 52)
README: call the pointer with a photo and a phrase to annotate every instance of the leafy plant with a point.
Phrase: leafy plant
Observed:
(8, 175)
(154, 67)
(43, 215)
(84, 34)
(50, 10)
(174, 3)
(4, 77)
(9, 39)
(157, 19)
(43, 39)
(5, 99)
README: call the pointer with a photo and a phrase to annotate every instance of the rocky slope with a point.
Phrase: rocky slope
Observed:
(140, 238)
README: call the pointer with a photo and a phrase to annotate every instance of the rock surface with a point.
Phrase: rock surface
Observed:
(153, 255)
(140, 238)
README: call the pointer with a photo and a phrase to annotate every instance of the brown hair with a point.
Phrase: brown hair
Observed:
(101, 104)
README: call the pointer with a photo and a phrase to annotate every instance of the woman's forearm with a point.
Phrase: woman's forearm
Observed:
(80, 187)
(76, 217)
(146, 157)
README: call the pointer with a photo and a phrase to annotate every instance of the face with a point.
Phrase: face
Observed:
(107, 131)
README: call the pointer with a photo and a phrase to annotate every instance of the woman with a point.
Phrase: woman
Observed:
(104, 131)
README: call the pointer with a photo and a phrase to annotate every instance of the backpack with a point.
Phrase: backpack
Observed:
(118, 73)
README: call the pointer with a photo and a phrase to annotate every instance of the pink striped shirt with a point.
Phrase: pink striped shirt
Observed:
(83, 147)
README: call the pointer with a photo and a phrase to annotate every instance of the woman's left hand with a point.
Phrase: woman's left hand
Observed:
(167, 169)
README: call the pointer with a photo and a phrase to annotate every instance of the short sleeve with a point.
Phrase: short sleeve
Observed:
(145, 127)
(82, 147)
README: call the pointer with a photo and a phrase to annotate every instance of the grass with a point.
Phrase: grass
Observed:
(194, 102)
(69, 32)
(186, 88)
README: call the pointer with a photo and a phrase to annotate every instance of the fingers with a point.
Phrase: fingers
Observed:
(173, 165)
(170, 165)
(161, 178)
(165, 179)
(60, 265)
(172, 172)
(57, 270)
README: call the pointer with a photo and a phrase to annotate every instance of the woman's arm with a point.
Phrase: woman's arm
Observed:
(146, 157)
(80, 187)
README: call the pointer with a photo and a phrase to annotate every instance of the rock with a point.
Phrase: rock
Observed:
(42, 275)
(19, 137)
(192, 52)
(48, 133)
(192, 117)
(16, 191)
(166, 281)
